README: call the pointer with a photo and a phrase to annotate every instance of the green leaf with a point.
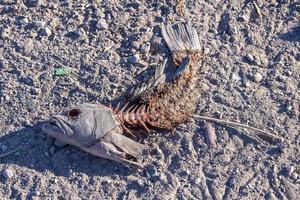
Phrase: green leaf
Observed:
(62, 71)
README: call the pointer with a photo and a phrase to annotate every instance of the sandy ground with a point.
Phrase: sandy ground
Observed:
(251, 75)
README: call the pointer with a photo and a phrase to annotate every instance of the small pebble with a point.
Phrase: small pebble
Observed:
(4, 34)
(289, 107)
(7, 97)
(290, 170)
(27, 123)
(35, 91)
(235, 77)
(162, 177)
(3, 147)
(24, 21)
(133, 59)
(197, 181)
(257, 77)
(206, 51)
(34, 3)
(145, 48)
(81, 33)
(45, 32)
(37, 193)
(102, 24)
(38, 23)
(151, 172)
(7, 173)
(250, 57)
(29, 80)
(140, 182)
(294, 176)
(187, 172)
(52, 150)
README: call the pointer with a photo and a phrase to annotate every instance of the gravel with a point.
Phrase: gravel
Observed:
(45, 32)
(8, 174)
(250, 57)
(38, 23)
(133, 59)
(250, 74)
(145, 48)
(258, 77)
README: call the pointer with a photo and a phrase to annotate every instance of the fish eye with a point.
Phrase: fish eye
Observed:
(74, 112)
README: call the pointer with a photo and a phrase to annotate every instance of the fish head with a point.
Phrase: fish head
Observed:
(82, 125)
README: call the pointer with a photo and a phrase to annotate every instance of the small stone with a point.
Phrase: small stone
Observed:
(197, 181)
(52, 150)
(289, 107)
(24, 21)
(140, 182)
(162, 177)
(288, 73)
(45, 32)
(290, 170)
(27, 123)
(37, 193)
(145, 48)
(4, 34)
(81, 33)
(34, 3)
(7, 97)
(133, 59)
(54, 22)
(46, 154)
(35, 91)
(59, 143)
(102, 24)
(235, 77)
(38, 23)
(237, 142)
(7, 173)
(250, 57)
(257, 77)
(151, 172)
(294, 176)
(187, 172)
(29, 80)
(206, 51)
(3, 147)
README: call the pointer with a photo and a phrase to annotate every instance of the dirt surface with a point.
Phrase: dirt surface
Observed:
(251, 75)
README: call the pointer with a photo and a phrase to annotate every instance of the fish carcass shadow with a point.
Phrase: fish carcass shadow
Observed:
(35, 150)
(292, 36)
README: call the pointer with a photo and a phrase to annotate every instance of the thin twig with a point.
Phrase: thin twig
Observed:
(9, 152)
(236, 124)
(257, 9)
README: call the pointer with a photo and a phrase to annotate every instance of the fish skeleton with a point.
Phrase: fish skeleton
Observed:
(99, 129)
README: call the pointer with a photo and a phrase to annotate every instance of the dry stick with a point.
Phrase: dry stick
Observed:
(231, 123)
(257, 9)
(9, 152)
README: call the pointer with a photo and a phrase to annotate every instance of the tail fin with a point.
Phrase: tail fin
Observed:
(181, 38)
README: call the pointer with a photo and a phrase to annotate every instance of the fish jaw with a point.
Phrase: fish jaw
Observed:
(109, 152)
(58, 129)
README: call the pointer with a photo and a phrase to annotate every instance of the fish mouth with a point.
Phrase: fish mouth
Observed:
(54, 126)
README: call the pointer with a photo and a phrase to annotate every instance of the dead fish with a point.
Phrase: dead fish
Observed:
(94, 129)
(99, 129)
